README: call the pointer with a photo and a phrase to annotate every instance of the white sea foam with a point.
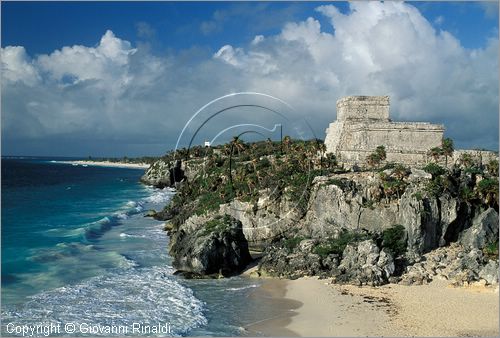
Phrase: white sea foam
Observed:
(125, 235)
(120, 285)
(160, 196)
(121, 215)
(131, 204)
(243, 287)
(149, 295)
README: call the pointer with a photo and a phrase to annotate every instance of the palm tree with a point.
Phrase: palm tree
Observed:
(466, 160)
(492, 168)
(376, 157)
(447, 149)
(373, 160)
(380, 151)
(435, 153)
(269, 146)
(287, 141)
(400, 172)
(238, 144)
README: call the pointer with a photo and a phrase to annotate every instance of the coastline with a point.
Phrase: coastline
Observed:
(319, 308)
(107, 164)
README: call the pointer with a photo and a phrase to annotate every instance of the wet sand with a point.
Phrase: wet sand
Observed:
(273, 292)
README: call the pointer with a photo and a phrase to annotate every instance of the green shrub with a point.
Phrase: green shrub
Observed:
(488, 189)
(435, 187)
(492, 167)
(395, 239)
(291, 243)
(264, 163)
(217, 224)
(338, 245)
(368, 204)
(434, 169)
(418, 196)
(331, 160)
(488, 185)
(474, 170)
(394, 187)
(466, 194)
(377, 156)
(491, 249)
(388, 165)
(208, 201)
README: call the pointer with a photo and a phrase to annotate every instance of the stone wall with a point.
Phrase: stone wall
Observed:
(477, 156)
(363, 108)
(363, 124)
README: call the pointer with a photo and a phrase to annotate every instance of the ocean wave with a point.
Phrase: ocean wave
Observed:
(125, 235)
(148, 295)
(243, 287)
(160, 196)
(131, 204)
(60, 251)
(94, 230)
(69, 255)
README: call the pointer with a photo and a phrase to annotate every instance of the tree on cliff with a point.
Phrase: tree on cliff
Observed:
(376, 157)
(447, 149)
(435, 153)
(380, 151)
(238, 144)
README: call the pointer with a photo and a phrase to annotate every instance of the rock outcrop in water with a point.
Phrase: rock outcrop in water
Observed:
(207, 247)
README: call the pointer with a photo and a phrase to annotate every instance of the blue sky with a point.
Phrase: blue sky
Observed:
(42, 27)
(185, 44)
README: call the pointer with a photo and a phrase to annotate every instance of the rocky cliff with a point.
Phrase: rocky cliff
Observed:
(367, 227)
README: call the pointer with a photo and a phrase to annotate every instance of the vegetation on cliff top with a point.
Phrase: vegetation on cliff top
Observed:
(242, 171)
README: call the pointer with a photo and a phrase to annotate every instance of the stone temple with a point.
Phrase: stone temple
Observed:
(363, 124)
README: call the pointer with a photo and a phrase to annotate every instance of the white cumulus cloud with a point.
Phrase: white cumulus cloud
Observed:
(117, 96)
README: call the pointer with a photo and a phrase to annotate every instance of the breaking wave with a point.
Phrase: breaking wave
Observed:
(149, 296)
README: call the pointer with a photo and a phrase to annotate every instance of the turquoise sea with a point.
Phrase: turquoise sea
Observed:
(76, 248)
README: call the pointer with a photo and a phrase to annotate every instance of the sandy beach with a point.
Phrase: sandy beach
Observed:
(108, 164)
(319, 308)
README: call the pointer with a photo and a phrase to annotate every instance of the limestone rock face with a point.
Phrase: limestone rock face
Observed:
(490, 272)
(484, 230)
(204, 246)
(365, 264)
(360, 263)
(343, 203)
(350, 203)
(167, 174)
(280, 261)
(264, 222)
(459, 265)
(157, 174)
